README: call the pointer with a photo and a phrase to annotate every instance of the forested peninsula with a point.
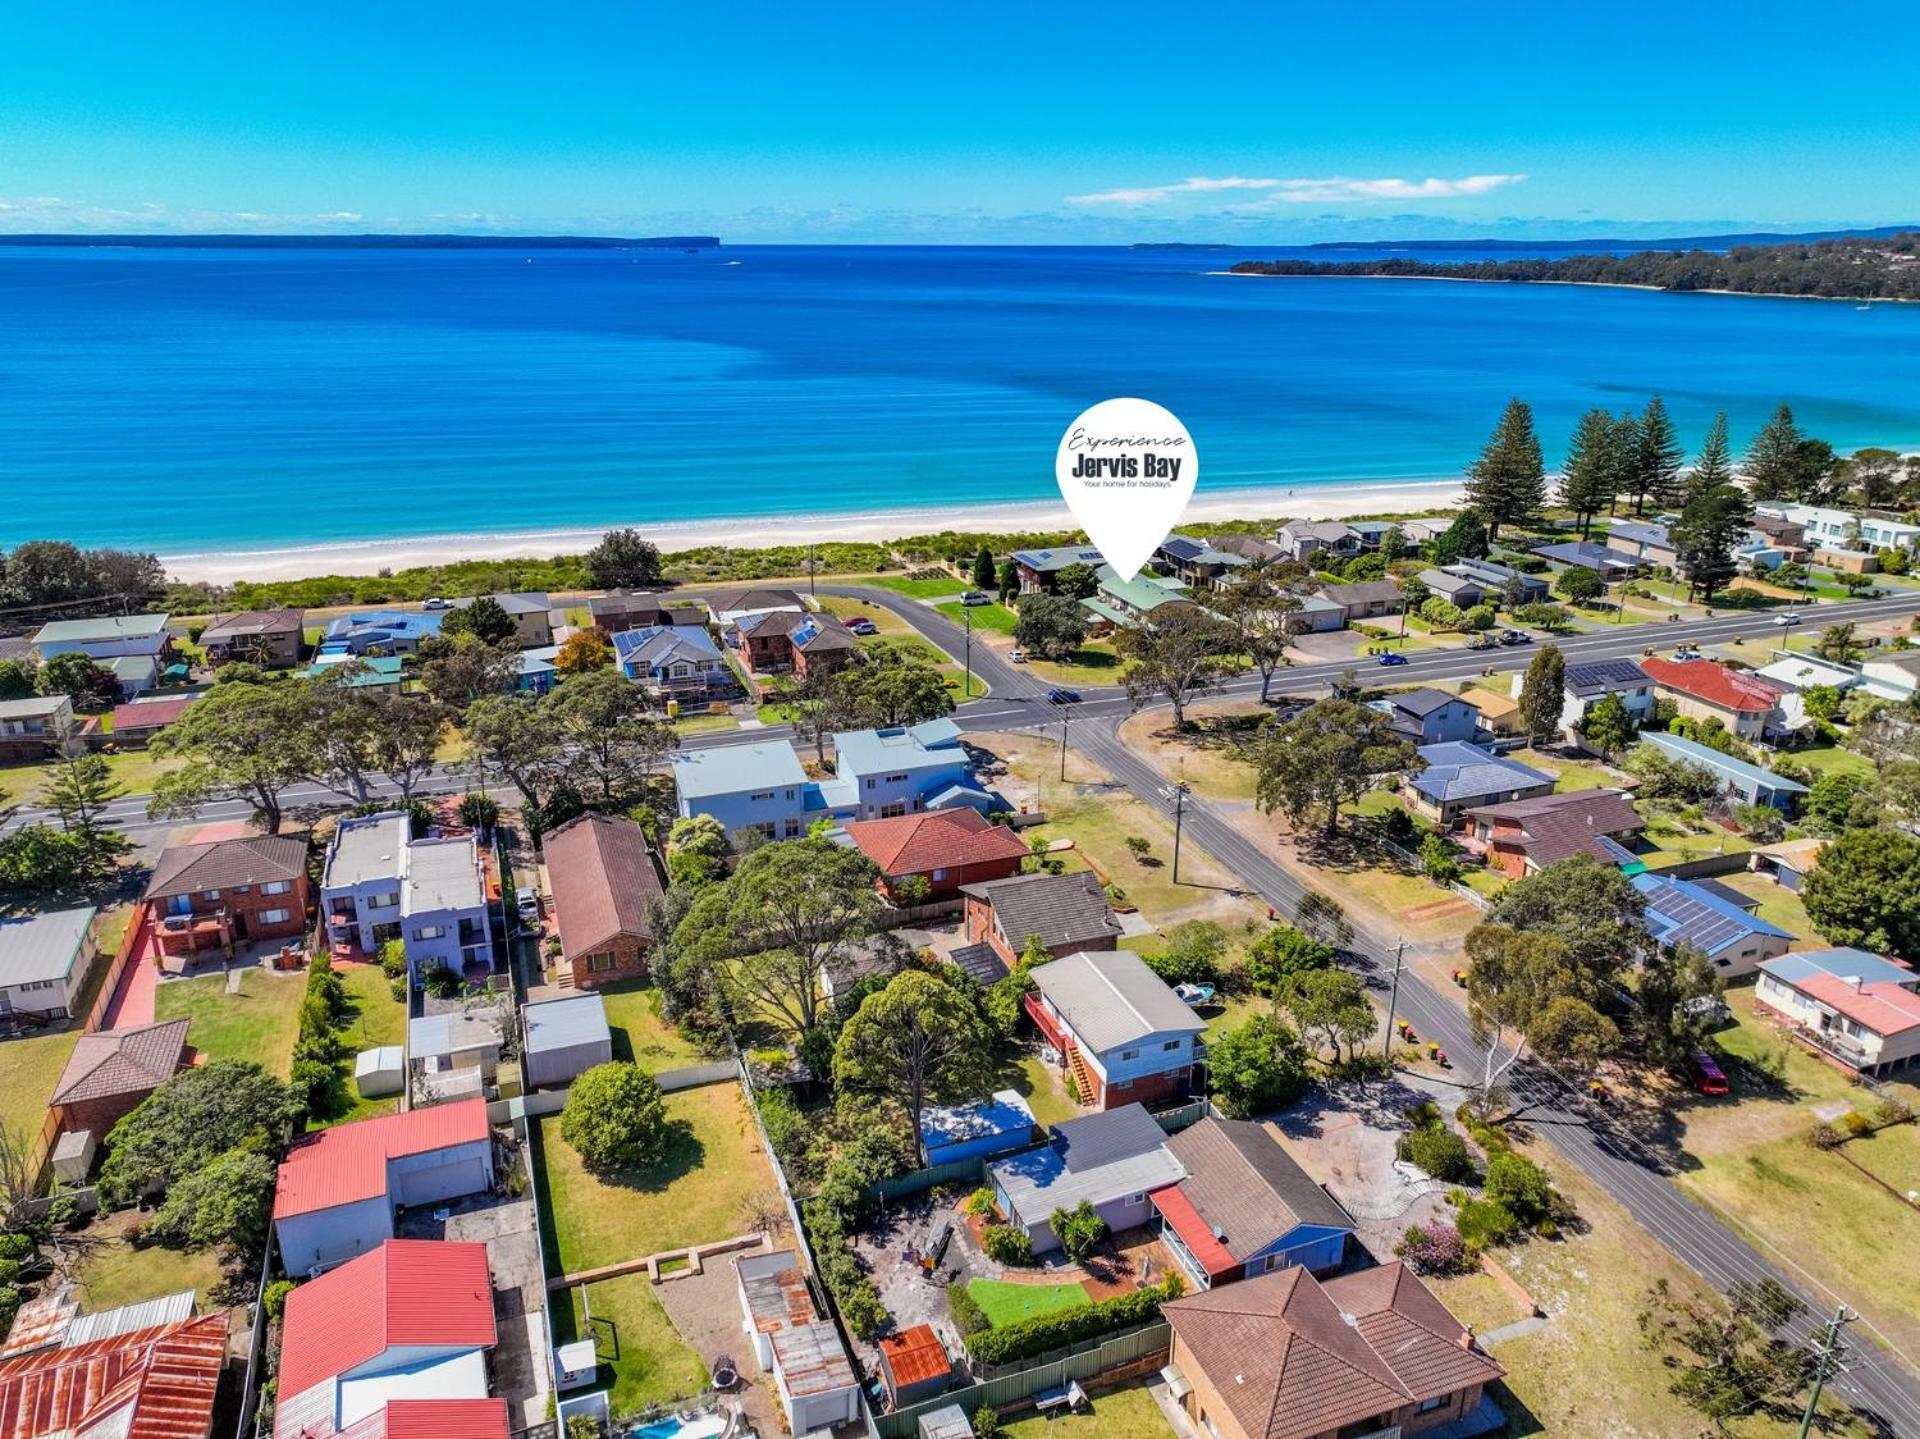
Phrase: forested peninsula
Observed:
(1885, 267)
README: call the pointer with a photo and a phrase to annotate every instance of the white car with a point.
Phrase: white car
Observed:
(1789, 618)
(1019, 657)
(976, 597)
(436, 604)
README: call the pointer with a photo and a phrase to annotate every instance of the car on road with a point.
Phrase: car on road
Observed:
(1483, 642)
(1789, 618)
(861, 625)
(1708, 1076)
(976, 597)
(527, 904)
(1515, 637)
(1019, 656)
(1391, 657)
(436, 603)
(1058, 696)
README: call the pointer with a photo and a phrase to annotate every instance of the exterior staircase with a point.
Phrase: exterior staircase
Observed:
(1084, 1083)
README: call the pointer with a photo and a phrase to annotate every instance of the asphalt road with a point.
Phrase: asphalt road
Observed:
(1874, 1382)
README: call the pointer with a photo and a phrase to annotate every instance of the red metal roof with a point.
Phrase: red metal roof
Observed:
(426, 1292)
(1713, 683)
(1879, 1005)
(348, 1164)
(434, 1419)
(1200, 1240)
(150, 714)
(156, 1383)
(914, 1356)
(938, 839)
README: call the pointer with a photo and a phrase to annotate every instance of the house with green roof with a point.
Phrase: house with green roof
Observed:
(1120, 603)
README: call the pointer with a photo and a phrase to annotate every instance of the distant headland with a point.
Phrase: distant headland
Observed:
(1856, 267)
(368, 242)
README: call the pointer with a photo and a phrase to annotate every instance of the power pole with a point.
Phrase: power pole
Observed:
(1178, 792)
(1066, 714)
(813, 568)
(967, 613)
(1393, 999)
(1826, 1362)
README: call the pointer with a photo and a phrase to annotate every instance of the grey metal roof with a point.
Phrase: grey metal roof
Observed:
(556, 1024)
(735, 768)
(982, 962)
(129, 1318)
(37, 948)
(39, 707)
(1423, 701)
(1098, 1158)
(1060, 908)
(367, 847)
(1456, 770)
(452, 1032)
(1693, 752)
(1112, 998)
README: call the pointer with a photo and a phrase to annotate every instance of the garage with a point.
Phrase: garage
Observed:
(436, 1183)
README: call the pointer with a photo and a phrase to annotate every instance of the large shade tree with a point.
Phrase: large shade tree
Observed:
(1330, 754)
(917, 1042)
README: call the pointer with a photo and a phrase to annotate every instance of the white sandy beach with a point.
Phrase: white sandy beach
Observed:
(359, 557)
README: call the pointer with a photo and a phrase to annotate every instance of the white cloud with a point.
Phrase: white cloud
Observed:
(1337, 189)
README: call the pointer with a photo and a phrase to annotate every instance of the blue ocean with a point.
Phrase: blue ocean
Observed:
(212, 400)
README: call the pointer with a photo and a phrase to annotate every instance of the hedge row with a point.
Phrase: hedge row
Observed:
(1025, 1338)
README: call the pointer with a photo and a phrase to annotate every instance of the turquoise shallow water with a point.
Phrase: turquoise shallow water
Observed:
(229, 399)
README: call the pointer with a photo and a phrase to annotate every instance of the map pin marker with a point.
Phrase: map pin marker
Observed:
(1126, 468)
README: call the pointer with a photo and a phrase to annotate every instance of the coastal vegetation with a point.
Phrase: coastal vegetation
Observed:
(1878, 268)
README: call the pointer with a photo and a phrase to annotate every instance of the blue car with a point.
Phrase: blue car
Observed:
(1391, 657)
(1063, 697)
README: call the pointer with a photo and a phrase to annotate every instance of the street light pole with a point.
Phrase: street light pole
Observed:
(1066, 714)
(967, 613)
(1393, 999)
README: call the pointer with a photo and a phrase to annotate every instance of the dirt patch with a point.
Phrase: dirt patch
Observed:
(705, 1310)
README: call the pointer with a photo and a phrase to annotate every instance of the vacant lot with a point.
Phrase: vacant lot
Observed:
(692, 1196)
(257, 1023)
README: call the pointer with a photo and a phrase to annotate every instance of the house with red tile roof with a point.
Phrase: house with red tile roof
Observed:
(601, 872)
(338, 1189)
(110, 1072)
(392, 1345)
(1707, 689)
(1849, 1004)
(1286, 1356)
(154, 1383)
(945, 847)
(137, 721)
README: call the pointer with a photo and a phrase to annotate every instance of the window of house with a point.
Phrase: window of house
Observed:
(430, 931)
(1427, 1406)
(600, 963)
(211, 894)
(894, 810)
(793, 829)
(1140, 1198)
(757, 798)
(1171, 1045)
(1127, 1054)
(277, 886)
(273, 916)
(938, 875)
(898, 778)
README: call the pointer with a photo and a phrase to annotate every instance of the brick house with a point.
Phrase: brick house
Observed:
(621, 610)
(786, 642)
(265, 637)
(211, 896)
(1069, 912)
(111, 1072)
(603, 880)
(947, 848)
(1285, 1356)
(1707, 689)
(1525, 836)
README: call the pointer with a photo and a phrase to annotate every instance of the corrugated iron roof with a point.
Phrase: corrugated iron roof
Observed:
(914, 1356)
(154, 1383)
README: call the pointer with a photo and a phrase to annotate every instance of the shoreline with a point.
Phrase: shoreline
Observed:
(366, 557)
(1857, 301)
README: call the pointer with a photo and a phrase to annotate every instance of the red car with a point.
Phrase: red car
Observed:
(1708, 1077)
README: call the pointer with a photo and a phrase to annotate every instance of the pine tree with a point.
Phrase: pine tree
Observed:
(1657, 456)
(1706, 533)
(1714, 467)
(983, 571)
(1543, 694)
(1593, 468)
(1773, 461)
(82, 789)
(1508, 483)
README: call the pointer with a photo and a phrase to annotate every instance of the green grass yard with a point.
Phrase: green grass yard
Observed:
(1004, 1302)
(374, 1018)
(136, 769)
(643, 1359)
(33, 1065)
(1094, 663)
(994, 617)
(640, 1033)
(1778, 905)
(692, 1196)
(258, 1023)
(1832, 759)
(927, 589)
(114, 1272)
(1128, 1412)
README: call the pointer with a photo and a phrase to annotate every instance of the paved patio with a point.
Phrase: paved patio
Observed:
(705, 1309)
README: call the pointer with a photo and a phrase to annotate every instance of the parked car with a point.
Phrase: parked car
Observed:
(1019, 656)
(861, 625)
(1708, 1076)
(976, 597)
(1059, 696)
(1392, 657)
(436, 603)
(527, 904)
(1194, 995)
(1515, 637)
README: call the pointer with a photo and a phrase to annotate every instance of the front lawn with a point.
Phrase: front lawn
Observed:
(1094, 663)
(935, 588)
(995, 617)
(700, 722)
(1003, 1302)
(692, 1196)
(643, 1359)
(258, 1023)
(641, 1033)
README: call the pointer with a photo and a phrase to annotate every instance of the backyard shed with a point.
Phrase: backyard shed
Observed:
(380, 1071)
(949, 1421)
(980, 1130)
(914, 1364)
(459, 1039)
(565, 1038)
(73, 1156)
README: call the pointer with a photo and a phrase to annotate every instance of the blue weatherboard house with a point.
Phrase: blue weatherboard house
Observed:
(537, 673)
(983, 1129)
(880, 774)
(1681, 912)
(394, 632)
(746, 786)
(1747, 783)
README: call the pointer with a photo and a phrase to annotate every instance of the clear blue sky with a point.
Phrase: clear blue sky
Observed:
(1043, 123)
